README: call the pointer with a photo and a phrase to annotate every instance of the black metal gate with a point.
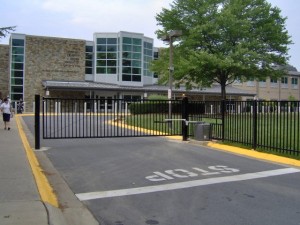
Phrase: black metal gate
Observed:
(99, 118)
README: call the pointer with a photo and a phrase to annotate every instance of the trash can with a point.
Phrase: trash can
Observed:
(202, 131)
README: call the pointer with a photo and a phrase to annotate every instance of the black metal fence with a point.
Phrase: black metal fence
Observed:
(268, 125)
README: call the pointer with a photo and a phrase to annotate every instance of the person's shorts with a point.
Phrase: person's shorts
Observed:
(6, 117)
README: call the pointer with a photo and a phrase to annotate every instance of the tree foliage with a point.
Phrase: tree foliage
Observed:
(223, 40)
(4, 31)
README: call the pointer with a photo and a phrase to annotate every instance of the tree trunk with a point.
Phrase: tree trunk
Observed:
(223, 88)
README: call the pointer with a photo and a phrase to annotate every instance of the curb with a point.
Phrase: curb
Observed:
(45, 190)
(254, 154)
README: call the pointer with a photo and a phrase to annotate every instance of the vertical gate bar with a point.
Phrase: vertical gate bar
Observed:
(278, 125)
(37, 122)
(97, 117)
(185, 118)
(254, 143)
(74, 124)
(55, 118)
(61, 118)
(105, 118)
(44, 117)
(298, 136)
(50, 117)
(223, 118)
(115, 132)
(72, 117)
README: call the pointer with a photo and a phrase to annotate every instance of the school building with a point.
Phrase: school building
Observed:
(111, 65)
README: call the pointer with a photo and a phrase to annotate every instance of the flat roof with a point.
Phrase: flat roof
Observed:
(85, 85)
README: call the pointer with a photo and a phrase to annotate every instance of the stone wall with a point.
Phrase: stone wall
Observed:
(4, 71)
(49, 58)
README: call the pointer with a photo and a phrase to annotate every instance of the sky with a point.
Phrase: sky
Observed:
(80, 19)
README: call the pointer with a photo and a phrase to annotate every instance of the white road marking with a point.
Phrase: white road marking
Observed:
(181, 185)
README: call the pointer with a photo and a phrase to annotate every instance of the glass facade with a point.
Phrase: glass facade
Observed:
(17, 69)
(106, 55)
(123, 58)
(89, 59)
(131, 59)
(148, 57)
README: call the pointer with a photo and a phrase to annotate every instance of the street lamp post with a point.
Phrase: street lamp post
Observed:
(170, 39)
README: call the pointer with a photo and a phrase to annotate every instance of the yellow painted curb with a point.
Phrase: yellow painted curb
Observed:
(138, 129)
(255, 154)
(44, 188)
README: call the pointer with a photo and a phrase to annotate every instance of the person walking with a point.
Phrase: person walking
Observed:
(6, 110)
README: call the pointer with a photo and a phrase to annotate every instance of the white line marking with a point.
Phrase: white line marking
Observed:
(181, 185)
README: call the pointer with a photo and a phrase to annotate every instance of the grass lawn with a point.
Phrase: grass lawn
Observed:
(277, 134)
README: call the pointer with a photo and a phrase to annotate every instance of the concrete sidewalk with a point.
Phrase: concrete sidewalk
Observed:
(20, 201)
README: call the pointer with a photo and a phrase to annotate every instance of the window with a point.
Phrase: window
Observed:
(284, 82)
(132, 98)
(88, 63)
(89, 59)
(17, 68)
(111, 48)
(107, 60)
(148, 57)
(126, 62)
(101, 41)
(101, 55)
(17, 89)
(127, 40)
(16, 73)
(111, 56)
(18, 50)
(273, 82)
(111, 70)
(126, 77)
(18, 58)
(88, 48)
(101, 70)
(101, 62)
(294, 83)
(112, 63)
(16, 81)
(112, 41)
(131, 59)
(18, 42)
(101, 48)
(136, 41)
(127, 48)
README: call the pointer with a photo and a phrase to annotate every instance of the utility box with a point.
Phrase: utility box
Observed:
(202, 131)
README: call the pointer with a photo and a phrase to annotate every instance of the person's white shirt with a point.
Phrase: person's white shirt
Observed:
(5, 107)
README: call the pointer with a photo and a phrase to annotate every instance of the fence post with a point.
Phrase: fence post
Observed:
(37, 122)
(254, 138)
(223, 111)
(185, 118)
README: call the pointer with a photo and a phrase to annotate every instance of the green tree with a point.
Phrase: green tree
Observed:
(4, 31)
(223, 40)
